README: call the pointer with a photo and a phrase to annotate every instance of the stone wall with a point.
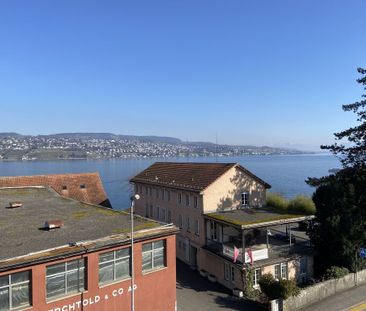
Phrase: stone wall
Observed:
(322, 290)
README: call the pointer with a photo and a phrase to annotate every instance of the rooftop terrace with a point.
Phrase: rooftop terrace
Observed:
(256, 217)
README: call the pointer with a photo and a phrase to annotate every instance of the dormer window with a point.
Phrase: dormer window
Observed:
(245, 199)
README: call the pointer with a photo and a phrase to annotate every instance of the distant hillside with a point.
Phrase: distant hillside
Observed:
(14, 146)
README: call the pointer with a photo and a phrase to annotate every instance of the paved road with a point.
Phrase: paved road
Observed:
(197, 293)
(352, 300)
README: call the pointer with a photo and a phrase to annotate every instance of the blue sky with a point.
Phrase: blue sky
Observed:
(252, 72)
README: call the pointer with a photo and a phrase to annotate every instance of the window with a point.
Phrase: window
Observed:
(256, 276)
(82, 186)
(150, 191)
(146, 190)
(151, 211)
(153, 255)
(281, 271)
(245, 199)
(114, 265)
(180, 221)
(64, 187)
(188, 224)
(195, 202)
(163, 214)
(157, 193)
(197, 227)
(65, 278)
(284, 271)
(179, 198)
(169, 216)
(157, 212)
(277, 272)
(168, 195)
(163, 194)
(213, 230)
(187, 199)
(229, 272)
(147, 210)
(15, 291)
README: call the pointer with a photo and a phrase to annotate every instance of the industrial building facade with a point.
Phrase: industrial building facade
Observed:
(59, 254)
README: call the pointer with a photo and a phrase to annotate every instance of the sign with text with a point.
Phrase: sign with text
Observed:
(82, 304)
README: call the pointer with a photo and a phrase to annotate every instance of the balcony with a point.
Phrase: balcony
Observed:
(260, 253)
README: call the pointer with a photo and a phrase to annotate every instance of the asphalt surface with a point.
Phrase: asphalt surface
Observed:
(197, 293)
(342, 301)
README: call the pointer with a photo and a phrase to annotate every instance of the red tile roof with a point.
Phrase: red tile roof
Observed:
(188, 176)
(84, 187)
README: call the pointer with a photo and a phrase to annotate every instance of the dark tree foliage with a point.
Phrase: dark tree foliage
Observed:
(340, 227)
(340, 199)
(354, 153)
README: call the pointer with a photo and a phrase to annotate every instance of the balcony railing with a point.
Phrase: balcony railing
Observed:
(256, 253)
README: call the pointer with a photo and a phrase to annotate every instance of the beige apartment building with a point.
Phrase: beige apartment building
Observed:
(221, 211)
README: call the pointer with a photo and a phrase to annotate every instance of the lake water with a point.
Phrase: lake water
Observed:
(286, 173)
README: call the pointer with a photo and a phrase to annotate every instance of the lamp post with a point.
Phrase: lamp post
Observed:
(133, 199)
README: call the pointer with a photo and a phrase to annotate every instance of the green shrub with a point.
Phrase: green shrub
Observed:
(302, 204)
(274, 289)
(335, 272)
(287, 288)
(277, 201)
(267, 284)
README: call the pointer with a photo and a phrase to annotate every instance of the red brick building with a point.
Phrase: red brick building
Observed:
(86, 263)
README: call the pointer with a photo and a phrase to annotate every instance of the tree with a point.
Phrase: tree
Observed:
(340, 199)
(340, 226)
(355, 153)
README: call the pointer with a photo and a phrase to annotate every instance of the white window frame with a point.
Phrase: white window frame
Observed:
(282, 271)
(9, 287)
(152, 253)
(245, 198)
(188, 223)
(257, 273)
(80, 270)
(197, 227)
(213, 231)
(114, 262)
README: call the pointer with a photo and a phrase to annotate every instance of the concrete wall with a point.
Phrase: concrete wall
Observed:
(177, 209)
(226, 191)
(324, 289)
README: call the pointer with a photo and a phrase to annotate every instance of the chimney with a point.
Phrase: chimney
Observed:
(53, 224)
(15, 204)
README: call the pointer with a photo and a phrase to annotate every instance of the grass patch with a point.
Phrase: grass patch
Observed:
(300, 204)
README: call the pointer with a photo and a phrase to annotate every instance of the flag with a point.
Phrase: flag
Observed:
(236, 254)
(250, 254)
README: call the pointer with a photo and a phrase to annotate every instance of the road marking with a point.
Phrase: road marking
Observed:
(360, 307)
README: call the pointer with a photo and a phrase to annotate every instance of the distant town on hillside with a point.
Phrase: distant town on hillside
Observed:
(15, 146)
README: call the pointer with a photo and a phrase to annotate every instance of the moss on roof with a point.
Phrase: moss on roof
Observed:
(252, 216)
